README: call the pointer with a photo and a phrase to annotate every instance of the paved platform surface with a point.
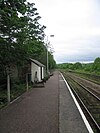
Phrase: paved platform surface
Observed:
(35, 112)
(70, 120)
(43, 110)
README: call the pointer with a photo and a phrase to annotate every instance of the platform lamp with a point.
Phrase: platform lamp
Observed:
(47, 44)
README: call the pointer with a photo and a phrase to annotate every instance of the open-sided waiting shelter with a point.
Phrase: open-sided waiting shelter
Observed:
(38, 69)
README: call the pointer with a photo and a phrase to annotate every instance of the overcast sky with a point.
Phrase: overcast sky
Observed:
(75, 25)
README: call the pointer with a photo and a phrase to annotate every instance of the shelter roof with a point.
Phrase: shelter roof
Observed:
(37, 62)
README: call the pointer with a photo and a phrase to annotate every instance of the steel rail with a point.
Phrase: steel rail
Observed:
(93, 81)
(86, 109)
(86, 89)
(92, 118)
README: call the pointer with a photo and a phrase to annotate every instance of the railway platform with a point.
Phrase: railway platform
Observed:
(50, 109)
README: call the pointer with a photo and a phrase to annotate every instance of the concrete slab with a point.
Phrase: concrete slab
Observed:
(70, 120)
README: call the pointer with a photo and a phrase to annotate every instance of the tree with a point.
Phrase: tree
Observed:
(21, 34)
(20, 31)
(11, 30)
(52, 63)
(87, 67)
(96, 65)
(77, 65)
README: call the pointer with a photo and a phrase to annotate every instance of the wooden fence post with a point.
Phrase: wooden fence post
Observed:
(27, 82)
(8, 87)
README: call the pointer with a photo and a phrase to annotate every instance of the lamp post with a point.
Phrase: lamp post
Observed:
(47, 44)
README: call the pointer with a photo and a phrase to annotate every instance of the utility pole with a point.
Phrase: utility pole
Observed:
(47, 58)
(47, 44)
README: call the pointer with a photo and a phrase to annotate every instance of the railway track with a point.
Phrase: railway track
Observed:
(89, 101)
(93, 87)
(92, 78)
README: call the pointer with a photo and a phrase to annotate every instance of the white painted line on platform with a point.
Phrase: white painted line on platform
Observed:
(79, 108)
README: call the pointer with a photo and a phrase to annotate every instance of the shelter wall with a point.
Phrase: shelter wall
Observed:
(35, 68)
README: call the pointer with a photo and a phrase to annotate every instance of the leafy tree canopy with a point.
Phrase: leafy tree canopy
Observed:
(21, 34)
(96, 65)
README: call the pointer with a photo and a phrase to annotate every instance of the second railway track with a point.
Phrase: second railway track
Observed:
(88, 100)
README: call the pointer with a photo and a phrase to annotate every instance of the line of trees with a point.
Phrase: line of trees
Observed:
(21, 35)
(89, 67)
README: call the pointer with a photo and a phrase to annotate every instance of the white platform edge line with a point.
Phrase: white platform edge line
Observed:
(79, 108)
